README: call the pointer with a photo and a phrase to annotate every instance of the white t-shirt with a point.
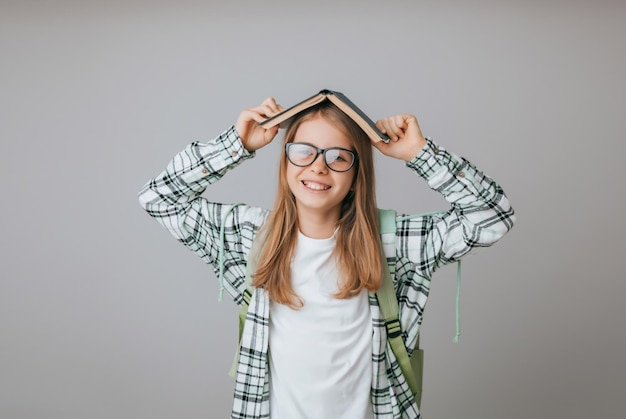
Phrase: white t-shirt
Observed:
(321, 354)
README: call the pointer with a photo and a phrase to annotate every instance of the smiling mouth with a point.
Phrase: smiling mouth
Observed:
(315, 186)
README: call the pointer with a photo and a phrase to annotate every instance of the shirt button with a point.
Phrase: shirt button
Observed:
(205, 170)
(233, 153)
(435, 150)
(461, 174)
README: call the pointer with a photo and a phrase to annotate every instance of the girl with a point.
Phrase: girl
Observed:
(314, 343)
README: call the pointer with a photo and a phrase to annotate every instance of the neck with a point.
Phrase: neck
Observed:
(318, 225)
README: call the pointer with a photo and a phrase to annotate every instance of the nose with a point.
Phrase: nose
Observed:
(319, 165)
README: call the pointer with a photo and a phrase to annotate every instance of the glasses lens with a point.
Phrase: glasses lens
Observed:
(301, 154)
(339, 159)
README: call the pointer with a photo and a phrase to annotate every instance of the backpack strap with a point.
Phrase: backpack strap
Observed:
(243, 312)
(389, 309)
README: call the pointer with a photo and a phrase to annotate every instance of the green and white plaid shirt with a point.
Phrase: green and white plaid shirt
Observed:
(480, 214)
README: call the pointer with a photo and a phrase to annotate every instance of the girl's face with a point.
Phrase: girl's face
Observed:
(317, 189)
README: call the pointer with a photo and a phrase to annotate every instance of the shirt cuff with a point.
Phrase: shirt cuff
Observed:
(430, 159)
(436, 165)
(232, 147)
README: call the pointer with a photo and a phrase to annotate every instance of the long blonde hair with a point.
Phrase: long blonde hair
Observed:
(358, 248)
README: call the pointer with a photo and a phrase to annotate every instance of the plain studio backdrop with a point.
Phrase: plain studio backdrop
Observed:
(104, 315)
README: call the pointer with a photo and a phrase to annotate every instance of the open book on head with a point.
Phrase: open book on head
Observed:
(338, 99)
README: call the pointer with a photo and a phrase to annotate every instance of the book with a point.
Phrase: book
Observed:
(340, 100)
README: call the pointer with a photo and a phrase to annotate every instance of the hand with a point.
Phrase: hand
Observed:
(406, 139)
(252, 136)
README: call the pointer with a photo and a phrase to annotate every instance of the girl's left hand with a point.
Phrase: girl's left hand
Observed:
(406, 139)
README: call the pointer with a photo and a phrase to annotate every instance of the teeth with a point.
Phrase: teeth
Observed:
(316, 186)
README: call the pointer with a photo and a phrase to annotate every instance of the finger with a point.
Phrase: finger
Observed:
(380, 124)
(270, 103)
(267, 110)
(384, 124)
(254, 114)
(409, 119)
(393, 130)
(258, 114)
(413, 128)
(276, 109)
(401, 121)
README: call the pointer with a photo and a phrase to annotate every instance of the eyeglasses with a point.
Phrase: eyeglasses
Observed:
(336, 158)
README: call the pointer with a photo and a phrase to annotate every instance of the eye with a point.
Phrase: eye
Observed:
(338, 155)
(301, 150)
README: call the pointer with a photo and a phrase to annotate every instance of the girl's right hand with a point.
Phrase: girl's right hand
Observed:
(252, 136)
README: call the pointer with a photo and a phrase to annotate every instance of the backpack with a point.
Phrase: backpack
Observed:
(411, 367)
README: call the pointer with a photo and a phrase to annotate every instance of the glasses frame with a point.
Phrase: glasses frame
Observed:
(322, 151)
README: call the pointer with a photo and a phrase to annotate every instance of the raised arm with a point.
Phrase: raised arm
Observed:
(480, 212)
(174, 197)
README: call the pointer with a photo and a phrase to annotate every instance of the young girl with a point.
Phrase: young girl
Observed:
(314, 343)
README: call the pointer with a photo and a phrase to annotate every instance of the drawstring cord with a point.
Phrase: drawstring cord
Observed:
(457, 313)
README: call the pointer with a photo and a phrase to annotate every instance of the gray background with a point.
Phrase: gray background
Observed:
(104, 315)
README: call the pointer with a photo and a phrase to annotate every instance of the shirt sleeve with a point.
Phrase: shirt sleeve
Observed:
(173, 198)
(480, 213)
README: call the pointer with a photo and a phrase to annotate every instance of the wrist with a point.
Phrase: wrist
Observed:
(415, 149)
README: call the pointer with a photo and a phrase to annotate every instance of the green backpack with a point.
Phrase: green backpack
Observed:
(412, 367)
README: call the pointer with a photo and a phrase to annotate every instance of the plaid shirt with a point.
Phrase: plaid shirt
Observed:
(480, 214)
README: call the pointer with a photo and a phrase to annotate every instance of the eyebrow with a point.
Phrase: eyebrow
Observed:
(348, 147)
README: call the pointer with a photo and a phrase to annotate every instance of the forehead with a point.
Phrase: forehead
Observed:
(322, 133)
